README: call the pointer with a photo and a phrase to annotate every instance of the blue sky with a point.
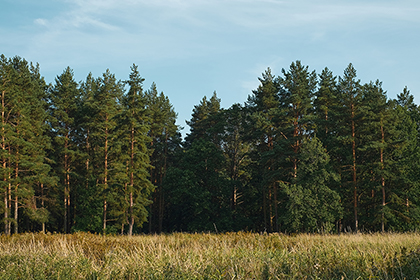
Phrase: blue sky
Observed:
(191, 48)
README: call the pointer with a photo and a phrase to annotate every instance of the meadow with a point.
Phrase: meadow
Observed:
(210, 256)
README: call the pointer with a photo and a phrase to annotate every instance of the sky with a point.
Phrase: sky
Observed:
(191, 48)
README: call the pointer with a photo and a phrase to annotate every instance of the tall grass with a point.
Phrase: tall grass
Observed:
(210, 256)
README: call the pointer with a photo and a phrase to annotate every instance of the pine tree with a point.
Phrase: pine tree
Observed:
(347, 118)
(404, 201)
(132, 128)
(88, 192)
(162, 131)
(324, 102)
(374, 145)
(264, 118)
(205, 122)
(201, 168)
(195, 189)
(297, 89)
(43, 179)
(23, 140)
(64, 99)
(406, 100)
(236, 151)
(106, 106)
(6, 87)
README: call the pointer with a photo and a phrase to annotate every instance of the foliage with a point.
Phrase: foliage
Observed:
(312, 206)
(305, 153)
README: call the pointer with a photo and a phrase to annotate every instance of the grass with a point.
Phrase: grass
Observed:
(210, 256)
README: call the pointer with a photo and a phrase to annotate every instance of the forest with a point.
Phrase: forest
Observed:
(307, 152)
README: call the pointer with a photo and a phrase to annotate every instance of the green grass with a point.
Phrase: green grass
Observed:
(210, 256)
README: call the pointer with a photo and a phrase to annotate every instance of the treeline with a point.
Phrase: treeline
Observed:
(305, 153)
(80, 156)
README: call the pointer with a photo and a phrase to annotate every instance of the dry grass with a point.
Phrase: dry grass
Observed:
(210, 256)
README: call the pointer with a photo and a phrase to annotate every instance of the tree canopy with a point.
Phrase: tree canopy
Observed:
(306, 152)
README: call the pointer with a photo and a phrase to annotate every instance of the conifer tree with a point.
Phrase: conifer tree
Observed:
(205, 122)
(297, 89)
(201, 167)
(162, 129)
(264, 117)
(64, 100)
(236, 151)
(88, 192)
(375, 143)
(6, 87)
(324, 102)
(405, 200)
(134, 163)
(43, 179)
(195, 189)
(106, 106)
(23, 140)
(347, 118)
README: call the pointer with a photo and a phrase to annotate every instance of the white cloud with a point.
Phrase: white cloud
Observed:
(86, 21)
(41, 21)
(187, 19)
(171, 31)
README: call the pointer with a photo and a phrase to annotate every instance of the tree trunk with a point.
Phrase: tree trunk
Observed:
(3, 146)
(161, 193)
(353, 144)
(131, 221)
(16, 213)
(153, 180)
(271, 193)
(383, 181)
(87, 158)
(6, 206)
(105, 176)
(16, 216)
(16, 194)
(131, 211)
(326, 126)
(276, 225)
(270, 208)
(233, 176)
(9, 224)
(66, 185)
(296, 144)
(265, 207)
(43, 205)
(104, 216)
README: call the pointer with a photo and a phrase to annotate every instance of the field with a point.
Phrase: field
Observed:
(210, 256)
